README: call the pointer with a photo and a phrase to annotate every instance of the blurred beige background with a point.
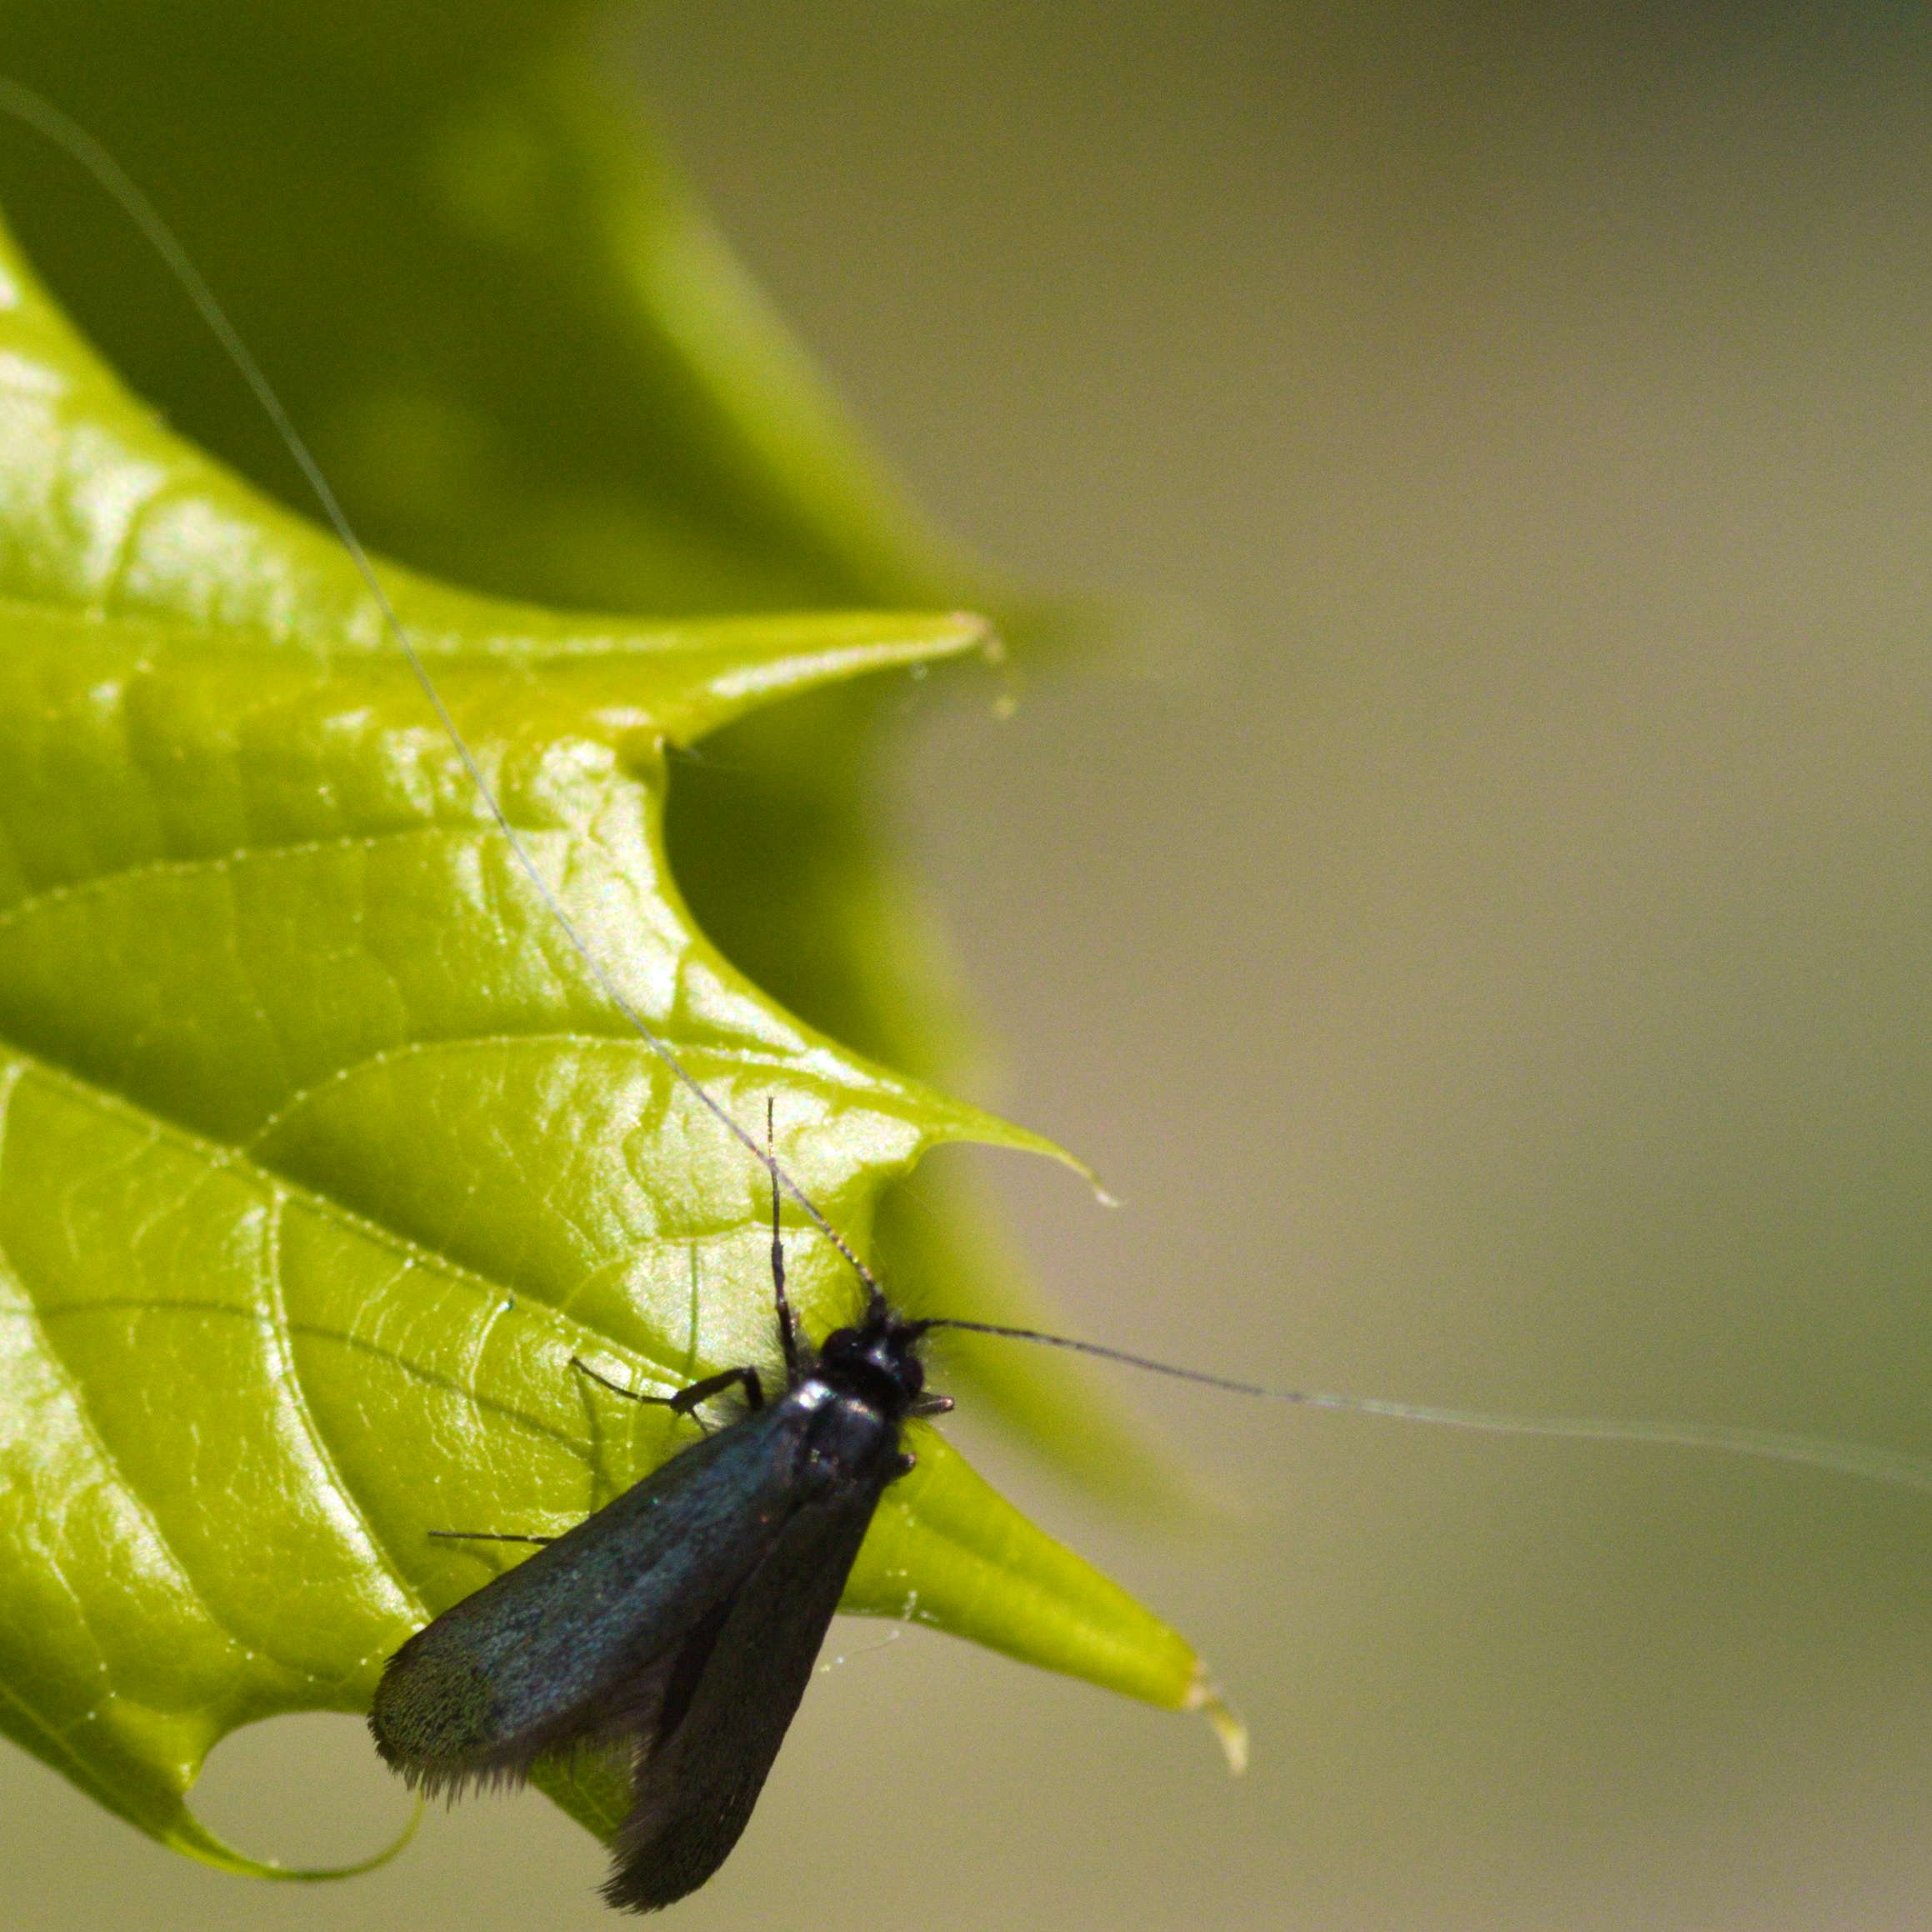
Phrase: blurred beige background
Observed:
(1478, 922)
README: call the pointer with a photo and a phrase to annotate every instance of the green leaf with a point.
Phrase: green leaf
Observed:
(320, 1154)
(531, 365)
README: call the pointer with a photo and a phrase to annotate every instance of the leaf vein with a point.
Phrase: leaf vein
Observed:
(108, 1458)
(280, 1332)
(99, 883)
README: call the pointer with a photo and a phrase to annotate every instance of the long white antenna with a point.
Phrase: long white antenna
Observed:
(24, 105)
(1880, 1465)
(1847, 1458)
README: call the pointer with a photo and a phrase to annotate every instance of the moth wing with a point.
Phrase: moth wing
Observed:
(711, 1717)
(556, 1652)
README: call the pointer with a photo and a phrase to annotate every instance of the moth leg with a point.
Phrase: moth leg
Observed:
(489, 1536)
(583, 1368)
(685, 1402)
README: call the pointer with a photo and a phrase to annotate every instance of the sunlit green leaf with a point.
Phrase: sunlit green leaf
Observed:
(320, 1152)
(532, 365)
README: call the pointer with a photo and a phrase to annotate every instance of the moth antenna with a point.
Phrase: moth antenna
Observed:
(787, 1329)
(33, 110)
(36, 112)
(1861, 1459)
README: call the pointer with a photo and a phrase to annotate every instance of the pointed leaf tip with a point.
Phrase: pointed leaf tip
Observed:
(1205, 1697)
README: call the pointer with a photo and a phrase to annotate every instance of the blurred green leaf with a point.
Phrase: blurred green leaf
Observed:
(319, 1154)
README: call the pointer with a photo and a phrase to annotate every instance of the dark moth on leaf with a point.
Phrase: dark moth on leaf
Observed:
(680, 1624)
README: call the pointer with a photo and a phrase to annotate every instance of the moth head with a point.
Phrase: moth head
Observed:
(881, 1351)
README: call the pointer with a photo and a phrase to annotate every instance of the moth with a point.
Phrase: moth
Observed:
(679, 1625)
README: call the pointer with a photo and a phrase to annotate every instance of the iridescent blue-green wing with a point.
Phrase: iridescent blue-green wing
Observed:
(710, 1717)
(556, 1651)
